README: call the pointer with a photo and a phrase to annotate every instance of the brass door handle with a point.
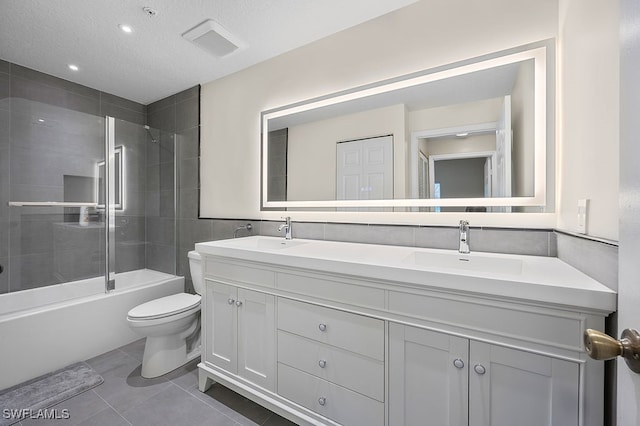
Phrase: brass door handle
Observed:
(600, 346)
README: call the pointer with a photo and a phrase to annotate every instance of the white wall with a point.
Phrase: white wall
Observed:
(522, 123)
(589, 114)
(426, 34)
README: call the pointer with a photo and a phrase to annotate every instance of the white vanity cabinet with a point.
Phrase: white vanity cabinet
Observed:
(333, 334)
(454, 381)
(239, 327)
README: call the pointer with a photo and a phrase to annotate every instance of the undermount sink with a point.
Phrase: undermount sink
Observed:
(466, 262)
(265, 243)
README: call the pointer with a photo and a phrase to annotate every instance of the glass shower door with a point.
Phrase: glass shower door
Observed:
(141, 217)
(55, 231)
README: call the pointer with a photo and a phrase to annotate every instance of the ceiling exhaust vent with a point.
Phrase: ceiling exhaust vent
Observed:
(213, 38)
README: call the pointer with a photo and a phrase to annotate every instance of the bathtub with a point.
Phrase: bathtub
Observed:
(45, 329)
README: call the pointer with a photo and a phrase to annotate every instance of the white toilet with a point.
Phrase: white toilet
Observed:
(171, 325)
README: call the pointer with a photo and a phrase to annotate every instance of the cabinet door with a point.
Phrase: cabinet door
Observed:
(221, 329)
(428, 382)
(511, 387)
(256, 338)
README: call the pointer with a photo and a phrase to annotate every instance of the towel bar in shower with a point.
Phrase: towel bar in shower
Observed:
(49, 204)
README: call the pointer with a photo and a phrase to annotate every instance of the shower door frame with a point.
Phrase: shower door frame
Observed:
(110, 208)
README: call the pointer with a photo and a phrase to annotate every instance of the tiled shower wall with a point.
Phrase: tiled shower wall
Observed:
(46, 247)
(44, 250)
(177, 116)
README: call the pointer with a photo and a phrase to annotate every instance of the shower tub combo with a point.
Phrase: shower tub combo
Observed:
(91, 234)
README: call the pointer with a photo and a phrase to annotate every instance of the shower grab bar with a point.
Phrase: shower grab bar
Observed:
(49, 204)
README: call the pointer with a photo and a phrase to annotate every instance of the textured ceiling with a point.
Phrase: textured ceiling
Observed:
(155, 61)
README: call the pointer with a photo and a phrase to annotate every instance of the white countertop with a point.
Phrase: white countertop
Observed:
(532, 279)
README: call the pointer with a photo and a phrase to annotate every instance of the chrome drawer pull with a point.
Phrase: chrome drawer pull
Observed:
(458, 363)
(322, 363)
(480, 369)
(322, 327)
(231, 301)
(238, 303)
(322, 400)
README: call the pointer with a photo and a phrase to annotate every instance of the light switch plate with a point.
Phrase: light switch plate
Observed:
(583, 210)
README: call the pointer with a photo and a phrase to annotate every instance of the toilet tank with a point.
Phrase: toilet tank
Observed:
(195, 265)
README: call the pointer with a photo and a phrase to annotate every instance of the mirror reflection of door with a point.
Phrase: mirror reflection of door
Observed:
(468, 175)
(364, 169)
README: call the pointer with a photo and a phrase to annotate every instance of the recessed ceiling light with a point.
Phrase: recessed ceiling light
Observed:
(73, 67)
(462, 135)
(125, 28)
(40, 120)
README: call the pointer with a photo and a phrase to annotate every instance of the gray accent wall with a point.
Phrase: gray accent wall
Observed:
(174, 158)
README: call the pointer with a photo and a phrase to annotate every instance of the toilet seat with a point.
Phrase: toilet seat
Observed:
(165, 307)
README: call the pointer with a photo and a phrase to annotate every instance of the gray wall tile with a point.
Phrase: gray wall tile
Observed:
(5, 66)
(310, 231)
(4, 275)
(188, 203)
(5, 90)
(191, 231)
(437, 237)
(187, 115)
(49, 80)
(163, 119)
(596, 259)
(378, 234)
(509, 241)
(4, 237)
(107, 98)
(27, 89)
(193, 92)
(224, 229)
(189, 173)
(123, 113)
(164, 103)
(189, 143)
(160, 230)
(161, 258)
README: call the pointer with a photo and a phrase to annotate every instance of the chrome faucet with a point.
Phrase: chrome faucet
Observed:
(464, 237)
(287, 227)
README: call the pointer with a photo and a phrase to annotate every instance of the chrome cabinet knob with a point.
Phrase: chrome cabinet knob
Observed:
(458, 363)
(238, 303)
(322, 401)
(231, 301)
(322, 327)
(479, 368)
(322, 363)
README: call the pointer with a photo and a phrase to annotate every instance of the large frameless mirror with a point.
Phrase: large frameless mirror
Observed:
(469, 136)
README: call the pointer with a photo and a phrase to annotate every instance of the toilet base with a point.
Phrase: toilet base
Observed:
(165, 354)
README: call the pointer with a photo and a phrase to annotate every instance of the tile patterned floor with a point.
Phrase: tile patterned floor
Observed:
(125, 398)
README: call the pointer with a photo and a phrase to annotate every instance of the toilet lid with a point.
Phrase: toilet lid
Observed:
(165, 306)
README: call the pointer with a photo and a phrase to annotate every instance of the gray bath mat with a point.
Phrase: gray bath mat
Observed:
(29, 399)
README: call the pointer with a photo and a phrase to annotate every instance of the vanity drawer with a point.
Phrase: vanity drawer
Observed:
(352, 371)
(232, 272)
(329, 400)
(347, 291)
(353, 332)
